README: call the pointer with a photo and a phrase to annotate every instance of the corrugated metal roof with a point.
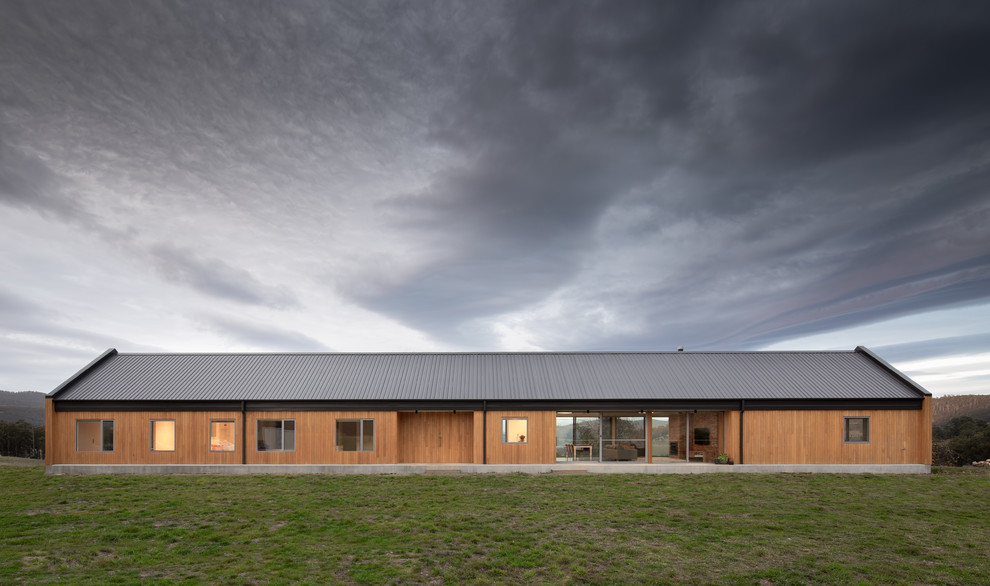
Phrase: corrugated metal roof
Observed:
(544, 376)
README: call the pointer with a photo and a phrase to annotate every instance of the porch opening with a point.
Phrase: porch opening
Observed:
(637, 437)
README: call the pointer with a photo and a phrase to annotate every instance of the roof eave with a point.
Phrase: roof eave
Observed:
(109, 353)
(887, 366)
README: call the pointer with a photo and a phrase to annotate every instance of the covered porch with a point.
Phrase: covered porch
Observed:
(639, 437)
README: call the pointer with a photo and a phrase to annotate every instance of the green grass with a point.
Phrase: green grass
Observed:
(761, 529)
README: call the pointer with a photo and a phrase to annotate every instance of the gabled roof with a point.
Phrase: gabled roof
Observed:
(528, 376)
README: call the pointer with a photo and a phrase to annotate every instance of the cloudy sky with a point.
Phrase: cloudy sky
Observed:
(458, 176)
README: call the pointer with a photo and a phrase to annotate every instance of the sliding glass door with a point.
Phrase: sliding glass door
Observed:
(623, 438)
(578, 436)
(606, 437)
(660, 436)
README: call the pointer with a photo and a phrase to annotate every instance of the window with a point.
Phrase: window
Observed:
(276, 435)
(162, 435)
(355, 435)
(515, 430)
(222, 435)
(94, 435)
(856, 430)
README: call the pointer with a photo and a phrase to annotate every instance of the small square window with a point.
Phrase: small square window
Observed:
(276, 435)
(856, 430)
(222, 435)
(162, 435)
(355, 435)
(94, 435)
(515, 430)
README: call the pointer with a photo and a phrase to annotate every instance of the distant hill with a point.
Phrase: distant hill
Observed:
(27, 405)
(947, 408)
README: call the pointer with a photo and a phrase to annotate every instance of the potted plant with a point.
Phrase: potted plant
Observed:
(723, 458)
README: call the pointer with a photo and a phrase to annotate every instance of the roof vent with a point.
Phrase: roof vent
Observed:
(680, 348)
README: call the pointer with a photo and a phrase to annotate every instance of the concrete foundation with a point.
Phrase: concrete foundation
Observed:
(589, 468)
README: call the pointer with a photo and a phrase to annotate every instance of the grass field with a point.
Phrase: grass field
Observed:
(747, 528)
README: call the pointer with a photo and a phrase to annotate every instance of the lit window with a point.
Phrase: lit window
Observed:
(355, 435)
(162, 435)
(94, 435)
(276, 435)
(222, 435)
(515, 430)
(856, 430)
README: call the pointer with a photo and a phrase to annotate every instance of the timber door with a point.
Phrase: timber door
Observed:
(436, 437)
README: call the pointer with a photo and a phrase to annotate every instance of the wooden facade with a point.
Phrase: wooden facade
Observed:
(399, 437)
(132, 437)
(768, 437)
(816, 437)
(436, 437)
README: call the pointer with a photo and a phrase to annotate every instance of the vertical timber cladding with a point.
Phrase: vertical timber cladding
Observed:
(436, 437)
(132, 438)
(815, 437)
(730, 435)
(50, 426)
(541, 444)
(315, 437)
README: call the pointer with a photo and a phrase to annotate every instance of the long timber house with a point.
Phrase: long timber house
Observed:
(545, 411)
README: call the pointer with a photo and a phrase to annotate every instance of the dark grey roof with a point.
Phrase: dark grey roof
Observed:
(544, 376)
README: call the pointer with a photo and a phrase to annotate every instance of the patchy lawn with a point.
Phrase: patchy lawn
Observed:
(747, 528)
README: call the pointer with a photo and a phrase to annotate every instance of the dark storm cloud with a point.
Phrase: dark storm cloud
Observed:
(262, 336)
(14, 307)
(960, 283)
(558, 115)
(822, 122)
(28, 320)
(612, 175)
(25, 181)
(955, 345)
(212, 276)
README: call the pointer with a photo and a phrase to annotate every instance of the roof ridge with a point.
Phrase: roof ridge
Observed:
(490, 353)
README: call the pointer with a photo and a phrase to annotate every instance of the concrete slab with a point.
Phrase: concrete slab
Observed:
(585, 468)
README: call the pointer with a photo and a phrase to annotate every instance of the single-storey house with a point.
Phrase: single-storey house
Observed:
(487, 409)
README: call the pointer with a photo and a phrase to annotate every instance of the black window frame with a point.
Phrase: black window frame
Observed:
(257, 438)
(361, 421)
(505, 430)
(151, 435)
(209, 434)
(103, 439)
(866, 429)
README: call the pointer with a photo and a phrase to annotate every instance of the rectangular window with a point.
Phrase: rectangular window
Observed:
(94, 435)
(162, 435)
(276, 435)
(856, 430)
(515, 430)
(222, 435)
(355, 435)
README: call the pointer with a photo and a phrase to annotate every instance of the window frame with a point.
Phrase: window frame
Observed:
(360, 421)
(151, 435)
(257, 438)
(866, 429)
(505, 429)
(103, 439)
(209, 435)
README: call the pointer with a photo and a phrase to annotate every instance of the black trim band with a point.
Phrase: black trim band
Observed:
(466, 405)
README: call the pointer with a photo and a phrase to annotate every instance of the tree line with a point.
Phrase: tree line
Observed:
(22, 439)
(960, 441)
